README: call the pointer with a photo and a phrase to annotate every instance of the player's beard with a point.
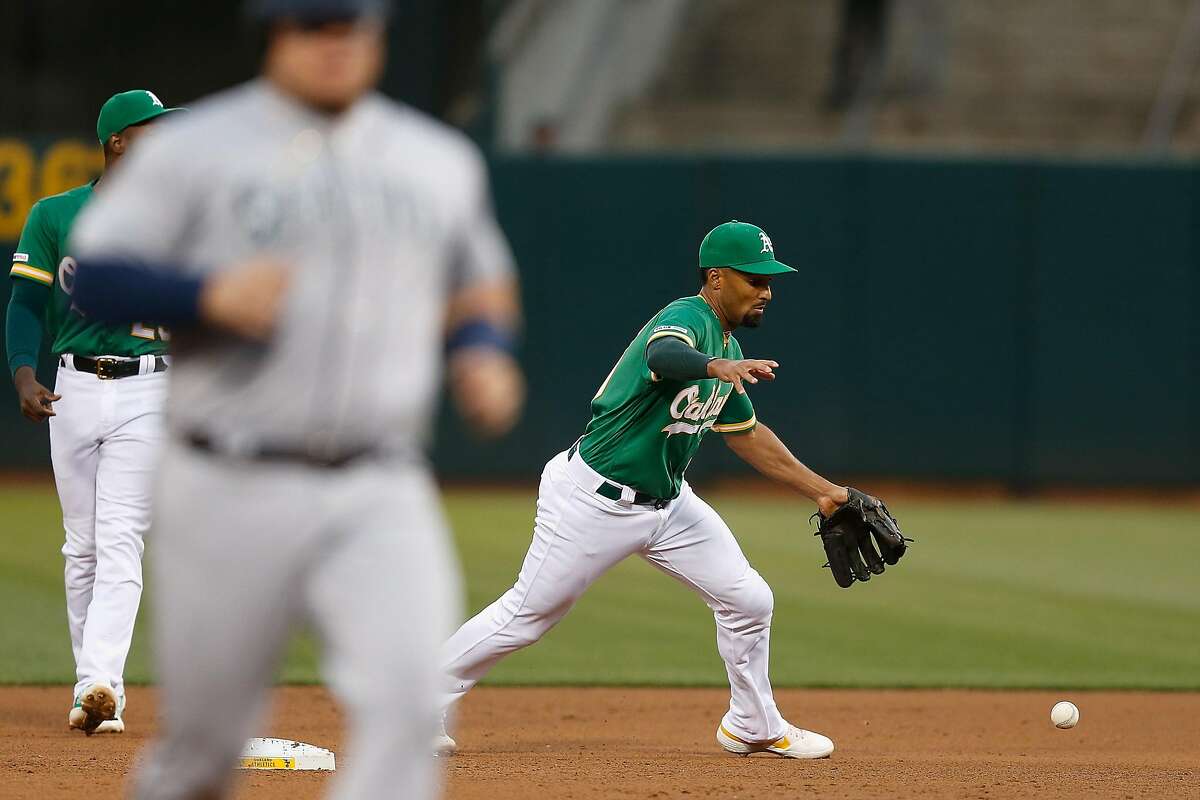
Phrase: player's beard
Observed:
(753, 318)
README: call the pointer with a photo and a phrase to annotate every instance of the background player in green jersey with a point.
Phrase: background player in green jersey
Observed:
(105, 425)
(620, 490)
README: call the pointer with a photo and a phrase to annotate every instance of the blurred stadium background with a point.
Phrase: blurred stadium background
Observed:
(1008, 182)
(993, 206)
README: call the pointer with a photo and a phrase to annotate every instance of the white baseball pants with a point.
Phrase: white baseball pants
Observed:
(104, 444)
(578, 535)
(244, 551)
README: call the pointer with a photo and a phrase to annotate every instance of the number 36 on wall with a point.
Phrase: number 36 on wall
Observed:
(25, 178)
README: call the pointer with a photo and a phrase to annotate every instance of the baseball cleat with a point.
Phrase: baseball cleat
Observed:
(117, 723)
(443, 745)
(795, 743)
(93, 708)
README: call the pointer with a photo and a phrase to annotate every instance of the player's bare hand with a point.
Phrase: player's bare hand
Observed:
(35, 399)
(488, 389)
(837, 497)
(245, 300)
(749, 370)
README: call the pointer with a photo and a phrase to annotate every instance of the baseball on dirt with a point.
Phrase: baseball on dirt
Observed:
(1064, 714)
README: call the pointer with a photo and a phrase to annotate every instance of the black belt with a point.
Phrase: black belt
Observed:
(107, 369)
(283, 454)
(613, 492)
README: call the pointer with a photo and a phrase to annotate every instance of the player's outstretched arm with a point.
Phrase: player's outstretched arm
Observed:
(674, 359)
(762, 449)
(747, 370)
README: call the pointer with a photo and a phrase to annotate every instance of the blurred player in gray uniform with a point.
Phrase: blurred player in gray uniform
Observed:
(321, 253)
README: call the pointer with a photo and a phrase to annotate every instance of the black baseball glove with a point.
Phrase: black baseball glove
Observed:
(851, 534)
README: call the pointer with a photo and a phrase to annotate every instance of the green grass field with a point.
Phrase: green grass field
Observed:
(994, 594)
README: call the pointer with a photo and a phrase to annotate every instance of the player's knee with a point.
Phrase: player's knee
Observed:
(756, 601)
(523, 620)
(525, 630)
(79, 549)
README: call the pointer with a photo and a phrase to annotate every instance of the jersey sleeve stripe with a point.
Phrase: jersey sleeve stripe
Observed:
(676, 334)
(736, 427)
(33, 273)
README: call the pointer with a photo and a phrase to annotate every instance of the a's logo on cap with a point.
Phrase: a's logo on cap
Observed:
(767, 246)
(154, 98)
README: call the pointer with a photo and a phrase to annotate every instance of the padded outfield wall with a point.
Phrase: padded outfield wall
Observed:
(1024, 321)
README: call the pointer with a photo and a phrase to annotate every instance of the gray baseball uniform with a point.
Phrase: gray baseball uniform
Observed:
(381, 213)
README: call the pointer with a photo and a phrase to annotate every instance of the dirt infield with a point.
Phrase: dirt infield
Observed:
(658, 743)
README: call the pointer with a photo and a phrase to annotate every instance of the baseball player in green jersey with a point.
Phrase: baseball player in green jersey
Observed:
(105, 417)
(620, 490)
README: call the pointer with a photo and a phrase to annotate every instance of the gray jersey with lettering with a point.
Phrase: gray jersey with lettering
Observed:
(381, 213)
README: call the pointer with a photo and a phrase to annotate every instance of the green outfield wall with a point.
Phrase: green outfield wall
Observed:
(1024, 321)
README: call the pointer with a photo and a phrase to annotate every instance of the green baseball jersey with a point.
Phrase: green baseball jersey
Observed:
(645, 430)
(42, 256)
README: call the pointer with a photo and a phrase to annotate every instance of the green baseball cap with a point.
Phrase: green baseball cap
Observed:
(743, 247)
(128, 108)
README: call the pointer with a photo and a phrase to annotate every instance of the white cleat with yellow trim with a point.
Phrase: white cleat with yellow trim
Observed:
(795, 743)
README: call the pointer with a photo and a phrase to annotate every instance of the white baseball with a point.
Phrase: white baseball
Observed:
(1064, 714)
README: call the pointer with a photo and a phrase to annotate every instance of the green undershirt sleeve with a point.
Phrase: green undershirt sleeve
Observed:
(23, 324)
(675, 360)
